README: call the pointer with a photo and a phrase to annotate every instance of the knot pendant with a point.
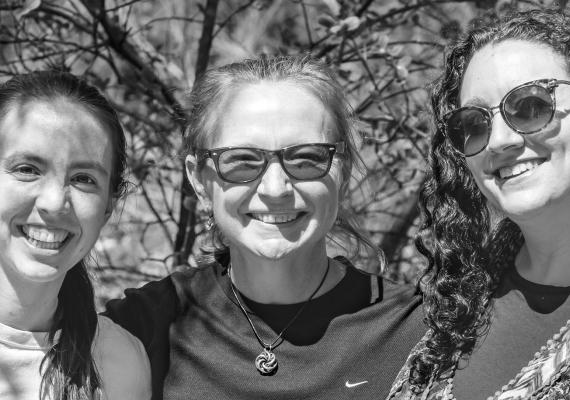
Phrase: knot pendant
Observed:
(266, 362)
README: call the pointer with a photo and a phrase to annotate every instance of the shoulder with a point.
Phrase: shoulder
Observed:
(400, 294)
(384, 290)
(156, 294)
(141, 310)
(122, 363)
(391, 303)
(403, 307)
(194, 281)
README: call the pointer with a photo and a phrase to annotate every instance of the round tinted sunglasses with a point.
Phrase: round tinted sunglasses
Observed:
(528, 108)
(245, 164)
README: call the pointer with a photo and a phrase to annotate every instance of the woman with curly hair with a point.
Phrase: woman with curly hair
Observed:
(496, 295)
(62, 161)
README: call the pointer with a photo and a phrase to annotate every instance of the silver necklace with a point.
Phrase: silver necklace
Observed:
(266, 362)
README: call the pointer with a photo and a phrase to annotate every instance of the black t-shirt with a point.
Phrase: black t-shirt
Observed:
(348, 343)
(524, 316)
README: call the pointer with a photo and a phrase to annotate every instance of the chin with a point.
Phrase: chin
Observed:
(42, 273)
(273, 253)
(522, 210)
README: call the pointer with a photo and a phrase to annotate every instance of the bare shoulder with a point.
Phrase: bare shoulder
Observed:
(121, 361)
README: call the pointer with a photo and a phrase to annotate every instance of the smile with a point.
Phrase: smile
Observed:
(45, 238)
(517, 169)
(275, 218)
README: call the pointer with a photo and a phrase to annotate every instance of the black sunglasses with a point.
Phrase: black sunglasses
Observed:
(245, 164)
(528, 108)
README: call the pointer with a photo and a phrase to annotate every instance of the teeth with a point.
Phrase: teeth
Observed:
(274, 218)
(517, 169)
(45, 238)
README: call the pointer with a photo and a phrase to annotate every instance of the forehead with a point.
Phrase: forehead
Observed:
(273, 114)
(498, 67)
(58, 129)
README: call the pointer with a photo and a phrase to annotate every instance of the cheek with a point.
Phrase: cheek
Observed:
(475, 167)
(15, 203)
(91, 211)
(324, 196)
(228, 200)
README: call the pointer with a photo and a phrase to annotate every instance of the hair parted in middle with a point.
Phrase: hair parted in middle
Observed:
(218, 86)
(466, 254)
(69, 368)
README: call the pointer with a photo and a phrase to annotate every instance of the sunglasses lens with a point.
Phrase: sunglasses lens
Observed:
(468, 130)
(241, 165)
(308, 161)
(529, 108)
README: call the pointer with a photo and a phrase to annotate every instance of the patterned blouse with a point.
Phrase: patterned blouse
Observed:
(546, 377)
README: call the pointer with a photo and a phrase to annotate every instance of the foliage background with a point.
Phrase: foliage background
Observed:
(145, 54)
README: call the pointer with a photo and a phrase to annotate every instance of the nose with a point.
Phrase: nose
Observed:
(54, 198)
(274, 182)
(503, 137)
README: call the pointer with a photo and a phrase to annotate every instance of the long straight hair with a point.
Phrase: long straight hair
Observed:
(68, 370)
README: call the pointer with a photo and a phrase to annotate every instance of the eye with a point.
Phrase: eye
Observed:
(307, 155)
(25, 172)
(241, 157)
(531, 107)
(84, 179)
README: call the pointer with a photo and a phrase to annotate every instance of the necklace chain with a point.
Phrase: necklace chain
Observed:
(266, 362)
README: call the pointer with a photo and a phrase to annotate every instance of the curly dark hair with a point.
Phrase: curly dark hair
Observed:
(466, 254)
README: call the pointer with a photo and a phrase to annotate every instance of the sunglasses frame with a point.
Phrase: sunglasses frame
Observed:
(549, 84)
(214, 154)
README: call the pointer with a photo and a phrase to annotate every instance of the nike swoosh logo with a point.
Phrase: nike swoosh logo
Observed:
(351, 385)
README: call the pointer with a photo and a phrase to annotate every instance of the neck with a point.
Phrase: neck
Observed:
(545, 256)
(28, 306)
(291, 279)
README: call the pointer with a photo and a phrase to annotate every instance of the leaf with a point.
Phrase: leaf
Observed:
(347, 24)
(402, 67)
(381, 40)
(326, 21)
(405, 61)
(174, 71)
(351, 23)
(29, 6)
(394, 51)
(336, 29)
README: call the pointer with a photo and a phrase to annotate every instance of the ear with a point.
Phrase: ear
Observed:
(196, 183)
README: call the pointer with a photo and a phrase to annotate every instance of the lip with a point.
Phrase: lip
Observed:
(45, 238)
(276, 218)
(509, 170)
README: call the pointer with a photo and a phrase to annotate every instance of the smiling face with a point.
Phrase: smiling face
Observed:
(275, 215)
(520, 175)
(55, 165)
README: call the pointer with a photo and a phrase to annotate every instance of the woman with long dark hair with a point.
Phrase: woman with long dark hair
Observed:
(270, 315)
(62, 159)
(496, 207)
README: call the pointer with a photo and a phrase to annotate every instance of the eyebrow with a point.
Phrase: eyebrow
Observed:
(90, 165)
(476, 101)
(25, 156)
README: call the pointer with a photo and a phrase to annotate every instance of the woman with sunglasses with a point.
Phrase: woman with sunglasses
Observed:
(62, 160)
(270, 149)
(497, 205)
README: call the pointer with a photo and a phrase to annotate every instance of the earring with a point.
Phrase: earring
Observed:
(210, 222)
